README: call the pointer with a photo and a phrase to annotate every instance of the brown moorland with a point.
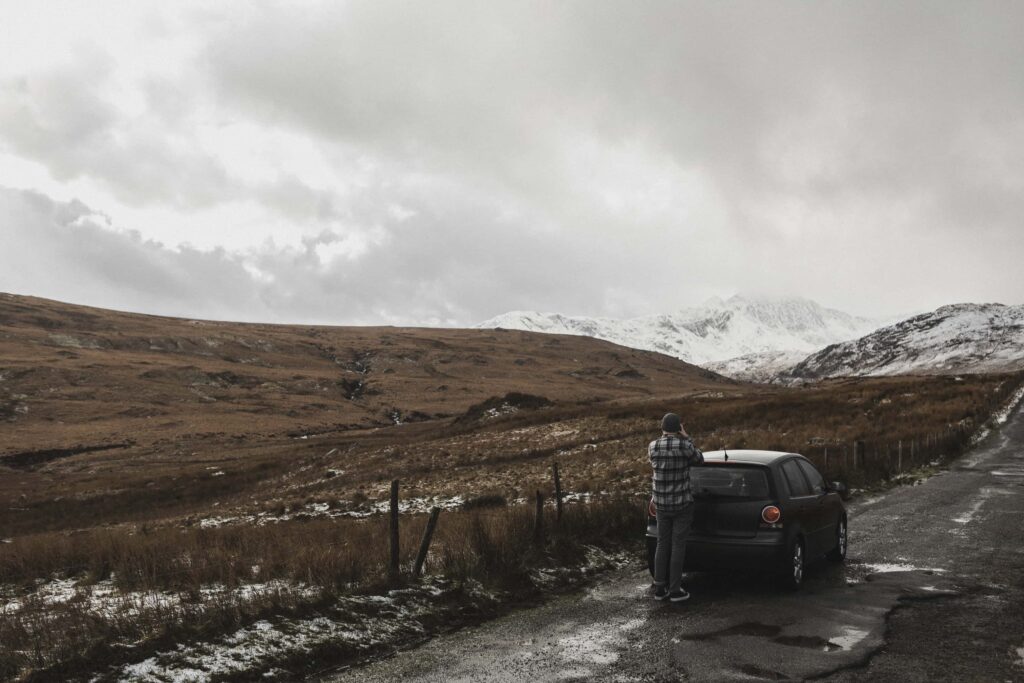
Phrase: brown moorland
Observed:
(171, 455)
(107, 416)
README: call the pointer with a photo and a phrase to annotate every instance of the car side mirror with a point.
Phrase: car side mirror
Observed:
(840, 488)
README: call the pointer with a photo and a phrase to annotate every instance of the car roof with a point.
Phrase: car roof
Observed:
(746, 456)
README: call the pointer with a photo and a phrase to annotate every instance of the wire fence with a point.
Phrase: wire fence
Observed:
(860, 462)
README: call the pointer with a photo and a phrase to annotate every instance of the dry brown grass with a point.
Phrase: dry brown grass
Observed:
(496, 547)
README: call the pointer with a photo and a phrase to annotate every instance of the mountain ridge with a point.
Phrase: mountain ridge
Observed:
(715, 332)
(955, 338)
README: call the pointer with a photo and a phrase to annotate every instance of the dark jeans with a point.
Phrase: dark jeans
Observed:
(673, 528)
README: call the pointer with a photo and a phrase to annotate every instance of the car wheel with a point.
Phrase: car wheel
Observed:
(838, 554)
(793, 568)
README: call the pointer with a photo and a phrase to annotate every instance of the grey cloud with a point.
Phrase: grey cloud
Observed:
(448, 267)
(65, 251)
(860, 153)
(471, 86)
(61, 119)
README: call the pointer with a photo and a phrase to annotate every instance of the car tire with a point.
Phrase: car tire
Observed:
(838, 553)
(795, 564)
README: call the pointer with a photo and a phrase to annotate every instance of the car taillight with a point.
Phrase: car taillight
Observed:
(651, 510)
(771, 514)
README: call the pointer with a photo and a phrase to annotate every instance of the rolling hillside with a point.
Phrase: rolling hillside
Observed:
(72, 376)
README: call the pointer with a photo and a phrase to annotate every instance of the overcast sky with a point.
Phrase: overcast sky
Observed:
(444, 162)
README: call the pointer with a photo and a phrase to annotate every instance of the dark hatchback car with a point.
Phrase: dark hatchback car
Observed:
(761, 510)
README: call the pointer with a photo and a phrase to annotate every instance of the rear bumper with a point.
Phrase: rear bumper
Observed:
(764, 550)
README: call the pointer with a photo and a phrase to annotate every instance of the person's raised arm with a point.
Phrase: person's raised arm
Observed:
(690, 451)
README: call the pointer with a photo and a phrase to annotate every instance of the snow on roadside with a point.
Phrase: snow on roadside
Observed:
(105, 599)
(1002, 415)
(360, 623)
(419, 505)
(999, 417)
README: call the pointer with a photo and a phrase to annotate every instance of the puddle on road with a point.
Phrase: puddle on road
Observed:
(892, 567)
(845, 641)
(849, 639)
(751, 628)
(809, 642)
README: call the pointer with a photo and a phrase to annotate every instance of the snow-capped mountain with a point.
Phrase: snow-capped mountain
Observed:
(962, 338)
(757, 367)
(717, 331)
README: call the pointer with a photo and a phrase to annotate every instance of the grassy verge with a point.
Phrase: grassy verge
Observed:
(176, 586)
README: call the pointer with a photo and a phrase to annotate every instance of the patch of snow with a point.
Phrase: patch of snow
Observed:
(984, 495)
(633, 624)
(505, 409)
(105, 599)
(409, 505)
(968, 516)
(1008, 473)
(1020, 656)
(360, 622)
(593, 645)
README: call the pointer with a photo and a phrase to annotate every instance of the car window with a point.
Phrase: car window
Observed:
(797, 484)
(813, 476)
(733, 482)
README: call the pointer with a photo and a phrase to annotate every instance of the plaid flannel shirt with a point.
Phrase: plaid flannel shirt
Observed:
(671, 458)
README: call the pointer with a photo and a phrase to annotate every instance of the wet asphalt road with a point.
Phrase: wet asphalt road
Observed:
(933, 589)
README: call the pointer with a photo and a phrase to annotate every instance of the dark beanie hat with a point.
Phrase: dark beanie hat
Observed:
(671, 423)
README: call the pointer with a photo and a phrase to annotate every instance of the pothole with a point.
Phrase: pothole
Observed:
(809, 642)
(752, 628)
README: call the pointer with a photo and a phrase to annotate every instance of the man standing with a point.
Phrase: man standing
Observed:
(672, 455)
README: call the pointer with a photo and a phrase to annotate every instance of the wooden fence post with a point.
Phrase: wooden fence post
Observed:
(428, 534)
(538, 520)
(826, 461)
(393, 569)
(558, 491)
(899, 457)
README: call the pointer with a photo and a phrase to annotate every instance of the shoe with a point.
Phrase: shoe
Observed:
(679, 596)
(661, 593)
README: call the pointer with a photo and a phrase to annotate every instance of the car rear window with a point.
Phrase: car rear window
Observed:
(733, 482)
